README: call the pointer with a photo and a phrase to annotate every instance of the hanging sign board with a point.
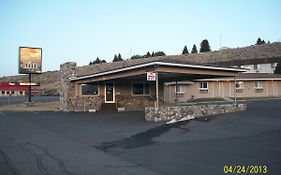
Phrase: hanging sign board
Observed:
(150, 76)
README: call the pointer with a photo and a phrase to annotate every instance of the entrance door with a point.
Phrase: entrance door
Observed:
(109, 93)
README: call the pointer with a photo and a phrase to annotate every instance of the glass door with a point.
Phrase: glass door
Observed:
(109, 93)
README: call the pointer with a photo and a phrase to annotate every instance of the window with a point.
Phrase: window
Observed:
(179, 89)
(141, 88)
(89, 89)
(258, 85)
(256, 66)
(239, 86)
(203, 85)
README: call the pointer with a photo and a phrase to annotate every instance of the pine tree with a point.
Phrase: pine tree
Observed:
(194, 49)
(147, 55)
(90, 63)
(159, 53)
(115, 58)
(152, 55)
(258, 41)
(136, 57)
(204, 46)
(278, 68)
(185, 50)
(119, 57)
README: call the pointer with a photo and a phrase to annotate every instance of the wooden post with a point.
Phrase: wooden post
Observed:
(235, 91)
(157, 91)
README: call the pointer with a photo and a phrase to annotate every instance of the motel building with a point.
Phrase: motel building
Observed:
(132, 84)
(16, 89)
(247, 85)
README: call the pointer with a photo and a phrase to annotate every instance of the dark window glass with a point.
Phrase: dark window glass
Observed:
(141, 89)
(146, 89)
(204, 85)
(90, 89)
(137, 88)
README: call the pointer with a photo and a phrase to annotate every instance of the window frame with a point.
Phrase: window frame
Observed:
(258, 87)
(84, 84)
(241, 85)
(143, 89)
(256, 66)
(202, 88)
(181, 87)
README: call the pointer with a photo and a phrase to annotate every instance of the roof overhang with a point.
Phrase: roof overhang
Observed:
(158, 63)
(240, 79)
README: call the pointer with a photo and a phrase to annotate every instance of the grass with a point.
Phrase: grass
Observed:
(44, 106)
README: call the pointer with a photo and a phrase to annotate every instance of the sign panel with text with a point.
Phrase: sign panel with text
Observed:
(30, 60)
(150, 76)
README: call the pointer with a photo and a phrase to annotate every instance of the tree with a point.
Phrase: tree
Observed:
(278, 68)
(97, 61)
(119, 57)
(194, 49)
(115, 58)
(185, 50)
(136, 57)
(147, 55)
(204, 46)
(152, 54)
(159, 53)
(258, 41)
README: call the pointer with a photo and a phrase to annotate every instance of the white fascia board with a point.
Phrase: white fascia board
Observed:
(160, 64)
(240, 79)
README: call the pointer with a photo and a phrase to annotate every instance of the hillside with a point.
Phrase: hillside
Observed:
(228, 57)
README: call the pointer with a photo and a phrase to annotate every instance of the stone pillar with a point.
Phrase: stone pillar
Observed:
(67, 88)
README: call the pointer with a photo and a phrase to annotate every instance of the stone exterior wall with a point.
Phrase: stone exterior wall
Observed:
(130, 102)
(178, 112)
(86, 103)
(67, 88)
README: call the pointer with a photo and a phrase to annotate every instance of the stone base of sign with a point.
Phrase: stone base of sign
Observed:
(178, 112)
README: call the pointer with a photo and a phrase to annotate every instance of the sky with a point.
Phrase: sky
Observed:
(82, 30)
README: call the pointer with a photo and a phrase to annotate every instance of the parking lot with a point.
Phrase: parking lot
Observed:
(123, 143)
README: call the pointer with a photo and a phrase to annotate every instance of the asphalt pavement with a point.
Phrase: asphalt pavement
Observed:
(123, 143)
